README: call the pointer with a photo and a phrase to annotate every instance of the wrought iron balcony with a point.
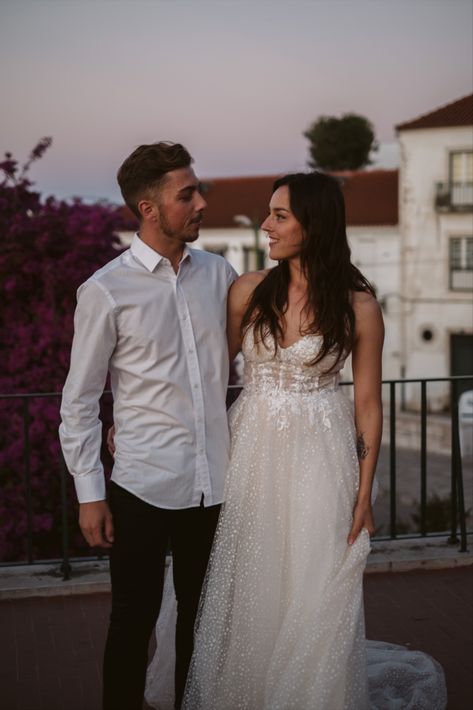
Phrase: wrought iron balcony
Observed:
(454, 197)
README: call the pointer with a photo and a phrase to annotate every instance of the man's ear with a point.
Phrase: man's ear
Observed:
(148, 210)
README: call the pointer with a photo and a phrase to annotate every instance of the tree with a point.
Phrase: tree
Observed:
(47, 249)
(341, 143)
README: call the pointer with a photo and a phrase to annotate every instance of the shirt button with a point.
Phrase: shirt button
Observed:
(196, 386)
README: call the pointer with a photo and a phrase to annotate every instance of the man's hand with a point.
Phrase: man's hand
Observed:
(111, 440)
(96, 523)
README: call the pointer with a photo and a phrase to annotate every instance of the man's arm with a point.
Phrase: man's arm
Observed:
(81, 430)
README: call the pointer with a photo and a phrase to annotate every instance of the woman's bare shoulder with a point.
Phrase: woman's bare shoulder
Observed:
(252, 278)
(364, 302)
(245, 284)
(368, 312)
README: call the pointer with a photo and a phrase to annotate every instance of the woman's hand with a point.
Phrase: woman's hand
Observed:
(362, 518)
(111, 440)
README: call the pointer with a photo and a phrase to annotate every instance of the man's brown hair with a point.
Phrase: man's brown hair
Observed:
(145, 169)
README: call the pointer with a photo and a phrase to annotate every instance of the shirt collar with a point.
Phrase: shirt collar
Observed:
(148, 256)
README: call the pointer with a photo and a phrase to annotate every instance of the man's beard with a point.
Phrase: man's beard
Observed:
(172, 233)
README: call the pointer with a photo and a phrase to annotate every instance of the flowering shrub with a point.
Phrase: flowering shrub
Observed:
(48, 248)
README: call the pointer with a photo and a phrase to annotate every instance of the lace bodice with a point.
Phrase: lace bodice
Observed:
(288, 383)
(288, 370)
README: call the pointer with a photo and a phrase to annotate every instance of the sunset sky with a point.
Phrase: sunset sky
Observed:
(237, 81)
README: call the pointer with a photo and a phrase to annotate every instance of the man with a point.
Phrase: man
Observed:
(155, 319)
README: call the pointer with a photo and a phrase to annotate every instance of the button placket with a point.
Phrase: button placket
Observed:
(202, 468)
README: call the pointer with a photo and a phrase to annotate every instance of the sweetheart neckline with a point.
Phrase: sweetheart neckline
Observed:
(308, 335)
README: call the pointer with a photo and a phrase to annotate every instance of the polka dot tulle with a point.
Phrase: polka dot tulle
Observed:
(280, 625)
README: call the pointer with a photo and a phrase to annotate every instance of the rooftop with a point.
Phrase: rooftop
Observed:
(456, 113)
(371, 198)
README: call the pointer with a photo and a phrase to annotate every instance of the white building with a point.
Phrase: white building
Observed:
(436, 265)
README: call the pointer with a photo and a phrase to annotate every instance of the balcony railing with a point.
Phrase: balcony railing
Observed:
(456, 532)
(454, 196)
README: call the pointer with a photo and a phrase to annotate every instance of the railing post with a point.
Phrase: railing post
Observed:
(458, 468)
(403, 388)
(423, 458)
(453, 539)
(392, 458)
(28, 496)
(65, 565)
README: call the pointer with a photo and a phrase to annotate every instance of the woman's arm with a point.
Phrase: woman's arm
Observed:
(366, 364)
(239, 297)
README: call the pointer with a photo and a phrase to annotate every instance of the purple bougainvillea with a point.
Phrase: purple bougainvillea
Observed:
(49, 247)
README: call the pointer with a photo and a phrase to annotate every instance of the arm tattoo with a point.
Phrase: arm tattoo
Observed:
(361, 448)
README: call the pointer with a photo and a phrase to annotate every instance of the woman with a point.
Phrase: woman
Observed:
(280, 624)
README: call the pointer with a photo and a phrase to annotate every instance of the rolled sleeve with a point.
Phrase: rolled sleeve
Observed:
(80, 432)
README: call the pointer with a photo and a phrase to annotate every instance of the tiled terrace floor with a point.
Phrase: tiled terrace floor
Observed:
(51, 649)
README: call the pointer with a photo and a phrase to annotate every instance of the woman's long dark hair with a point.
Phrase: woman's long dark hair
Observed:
(316, 200)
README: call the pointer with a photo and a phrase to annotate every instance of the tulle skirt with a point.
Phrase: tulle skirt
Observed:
(281, 624)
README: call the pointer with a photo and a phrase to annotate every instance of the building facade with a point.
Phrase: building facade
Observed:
(436, 256)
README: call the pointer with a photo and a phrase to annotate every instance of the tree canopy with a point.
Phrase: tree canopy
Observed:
(341, 143)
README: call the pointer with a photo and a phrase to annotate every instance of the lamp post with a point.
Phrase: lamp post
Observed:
(244, 221)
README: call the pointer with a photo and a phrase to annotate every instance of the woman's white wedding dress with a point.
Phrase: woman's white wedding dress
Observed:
(280, 624)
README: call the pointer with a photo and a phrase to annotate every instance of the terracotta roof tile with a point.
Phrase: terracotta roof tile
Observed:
(457, 113)
(371, 198)
(227, 197)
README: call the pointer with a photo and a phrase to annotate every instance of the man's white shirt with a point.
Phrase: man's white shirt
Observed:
(161, 335)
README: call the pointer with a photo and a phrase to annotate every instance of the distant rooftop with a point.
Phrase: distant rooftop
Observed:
(227, 197)
(457, 113)
(371, 199)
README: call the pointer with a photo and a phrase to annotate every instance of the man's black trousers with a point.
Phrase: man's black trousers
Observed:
(137, 563)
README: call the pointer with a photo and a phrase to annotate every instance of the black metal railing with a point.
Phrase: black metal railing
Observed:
(457, 497)
(456, 534)
(454, 196)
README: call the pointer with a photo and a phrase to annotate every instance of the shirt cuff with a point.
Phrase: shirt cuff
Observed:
(90, 488)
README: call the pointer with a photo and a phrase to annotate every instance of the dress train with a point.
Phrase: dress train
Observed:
(398, 678)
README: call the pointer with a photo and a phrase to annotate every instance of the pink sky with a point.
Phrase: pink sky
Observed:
(237, 81)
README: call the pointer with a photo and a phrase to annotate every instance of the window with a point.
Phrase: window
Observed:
(461, 178)
(461, 263)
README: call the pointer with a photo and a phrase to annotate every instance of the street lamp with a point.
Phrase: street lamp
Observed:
(244, 221)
